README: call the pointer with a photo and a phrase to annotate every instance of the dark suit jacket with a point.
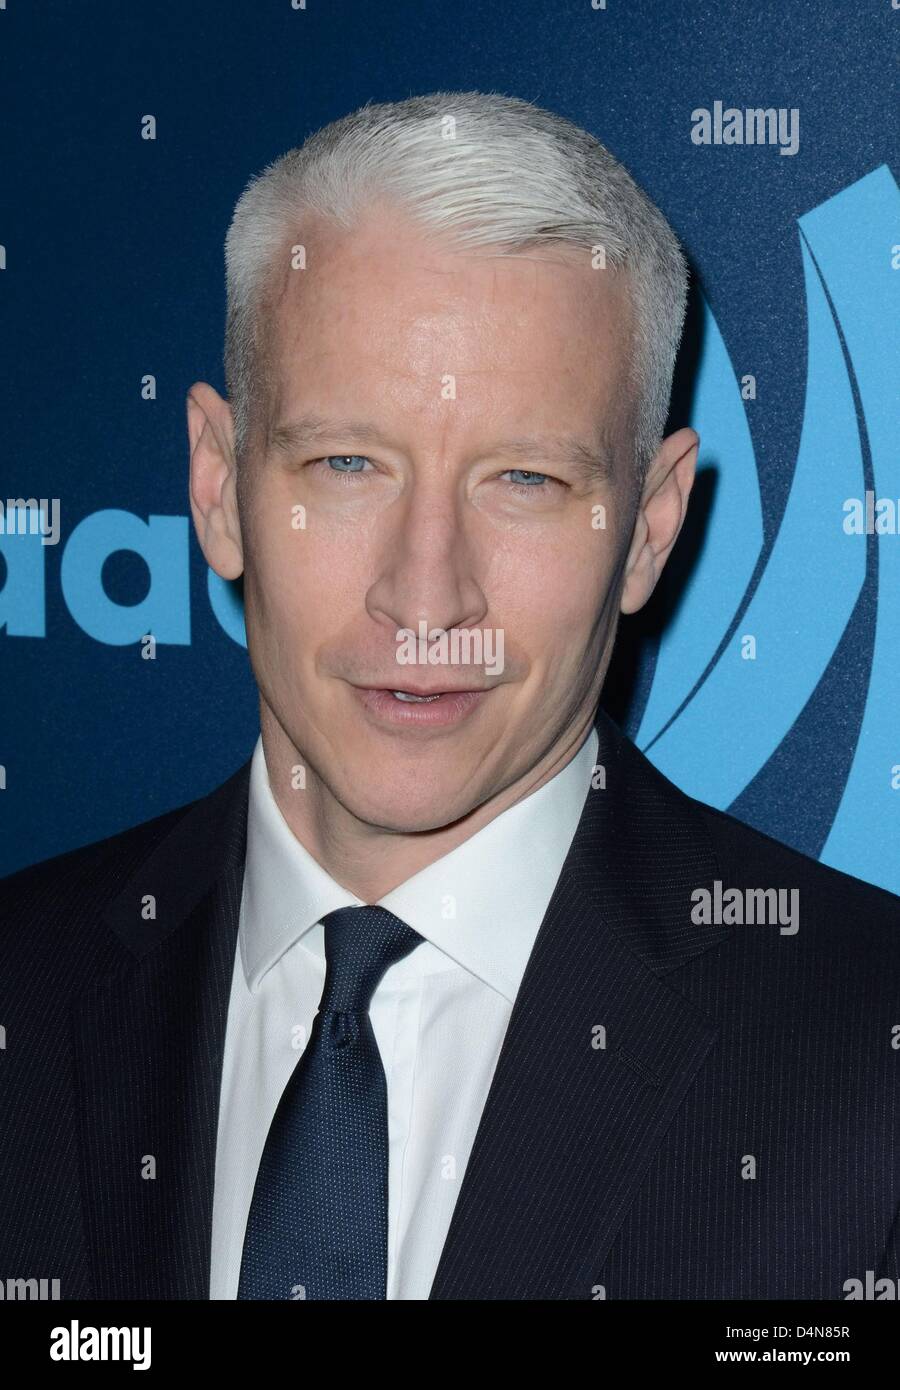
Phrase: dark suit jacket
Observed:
(619, 1168)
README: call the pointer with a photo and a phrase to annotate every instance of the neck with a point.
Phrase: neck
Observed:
(370, 860)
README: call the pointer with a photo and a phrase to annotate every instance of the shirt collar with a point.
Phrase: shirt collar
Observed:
(481, 905)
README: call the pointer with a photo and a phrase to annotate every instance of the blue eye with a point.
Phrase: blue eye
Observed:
(343, 460)
(525, 481)
(532, 478)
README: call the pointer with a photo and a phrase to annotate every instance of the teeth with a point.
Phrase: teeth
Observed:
(418, 699)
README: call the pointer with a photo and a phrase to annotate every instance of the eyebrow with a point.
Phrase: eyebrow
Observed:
(591, 463)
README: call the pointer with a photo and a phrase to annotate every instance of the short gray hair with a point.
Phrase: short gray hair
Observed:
(483, 170)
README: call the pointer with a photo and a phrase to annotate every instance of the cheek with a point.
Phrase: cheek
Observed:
(301, 588)
(555, 593)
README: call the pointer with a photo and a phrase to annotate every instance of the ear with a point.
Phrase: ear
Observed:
(213, 482)
(661, 511)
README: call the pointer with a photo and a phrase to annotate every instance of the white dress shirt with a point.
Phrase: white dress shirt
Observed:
(439, 1015)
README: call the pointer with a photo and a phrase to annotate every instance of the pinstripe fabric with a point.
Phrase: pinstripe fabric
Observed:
(115, 1028)
(613, 1168)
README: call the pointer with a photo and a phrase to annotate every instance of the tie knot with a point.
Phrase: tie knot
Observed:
(360, 944)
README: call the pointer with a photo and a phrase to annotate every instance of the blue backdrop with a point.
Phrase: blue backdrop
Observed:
(763, 676)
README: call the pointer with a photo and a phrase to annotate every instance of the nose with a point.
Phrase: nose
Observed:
(430, 568)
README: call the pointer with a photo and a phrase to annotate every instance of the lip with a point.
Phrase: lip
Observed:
(451, 709)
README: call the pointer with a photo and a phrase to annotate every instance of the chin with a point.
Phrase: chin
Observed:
(404, 810)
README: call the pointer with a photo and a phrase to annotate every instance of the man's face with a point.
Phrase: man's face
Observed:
(444, 358)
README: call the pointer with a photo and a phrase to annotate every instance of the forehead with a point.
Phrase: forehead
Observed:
(393, 303)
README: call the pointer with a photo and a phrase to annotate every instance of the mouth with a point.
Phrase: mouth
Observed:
(408, 695)
(417, 707)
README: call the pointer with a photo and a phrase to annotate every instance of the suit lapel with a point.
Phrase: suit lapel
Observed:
(148, 1047)
(570, 1128)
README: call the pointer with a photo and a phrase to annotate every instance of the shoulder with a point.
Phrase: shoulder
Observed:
(55, 908)
(841, 917)
(102, 863)
(834, 907)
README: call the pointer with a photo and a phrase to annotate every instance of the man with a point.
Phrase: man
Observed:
(447, 992)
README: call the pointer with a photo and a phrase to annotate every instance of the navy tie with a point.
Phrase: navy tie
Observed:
(317, 1227)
